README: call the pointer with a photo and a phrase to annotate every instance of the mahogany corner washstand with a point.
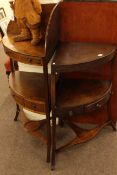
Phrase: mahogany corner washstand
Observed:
(69, 25)
(86, 45)
(72, 96)
(31, 90)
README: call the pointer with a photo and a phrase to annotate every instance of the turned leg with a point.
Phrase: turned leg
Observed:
(17, 112)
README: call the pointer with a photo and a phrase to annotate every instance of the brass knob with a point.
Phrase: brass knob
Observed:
(98, 105)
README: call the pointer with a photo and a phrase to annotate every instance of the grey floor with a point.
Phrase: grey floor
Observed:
(21, 154)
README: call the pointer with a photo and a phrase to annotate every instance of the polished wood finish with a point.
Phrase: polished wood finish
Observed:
(23, 51)
(85, 94)
(80, 97)
(28, 90)
(85, 22)
(24, 84)
(82, 135)
(75, 55)
(73, 96)
(94, 22)
(68, 25)
(52, 32)
(26, 53)
(47, 10)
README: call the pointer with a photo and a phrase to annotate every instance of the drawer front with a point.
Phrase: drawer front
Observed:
(68, 112)
(24, 58)
(98, 104)
(36, 107)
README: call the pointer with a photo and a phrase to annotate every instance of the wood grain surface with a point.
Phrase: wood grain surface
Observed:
(75, 55)
(75, 92)
(28, 90)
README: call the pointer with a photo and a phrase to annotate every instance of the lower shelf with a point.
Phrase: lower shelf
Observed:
(84, 135)
(79, 96)
(28, 90)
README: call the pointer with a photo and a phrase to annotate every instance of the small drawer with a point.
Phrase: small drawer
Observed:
(39, 107)
(34, 61)
(68, 112)
(97, 105)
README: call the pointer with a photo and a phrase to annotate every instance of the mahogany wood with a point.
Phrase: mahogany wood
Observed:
(47, 108)
(24, 51)
(88, 95)
(94, 22)
(82, 135)
(71, 56)
(28, 90)
(84, 22)
(32, 90)
(75, 96)
(47, 10)
(89, 27)
(52, 32)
